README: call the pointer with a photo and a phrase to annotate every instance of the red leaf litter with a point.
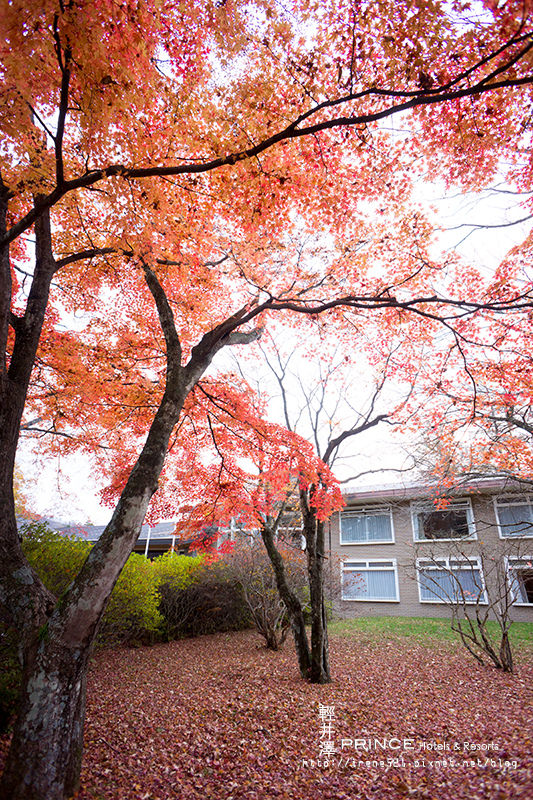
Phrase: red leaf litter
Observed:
(221, 717)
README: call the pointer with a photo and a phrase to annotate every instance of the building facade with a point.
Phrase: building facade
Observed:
(403, 554)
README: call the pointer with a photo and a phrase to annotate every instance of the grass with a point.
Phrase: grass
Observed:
(421, 629)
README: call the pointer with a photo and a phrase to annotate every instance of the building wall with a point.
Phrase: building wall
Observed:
(405, 551)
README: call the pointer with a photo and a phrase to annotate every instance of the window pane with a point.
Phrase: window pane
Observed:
(381, 585)
(435, 584)
(354, 585)
(353, 529)
(369, 585)
(366, 528)
(470, 582)
(515, 520)
(450, 586)
(443, 524)
(379, 528)
(523, 585)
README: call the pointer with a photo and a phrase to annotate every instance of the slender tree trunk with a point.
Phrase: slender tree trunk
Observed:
(314, 535)
(292, 603)
(22, 595)
(506, 653)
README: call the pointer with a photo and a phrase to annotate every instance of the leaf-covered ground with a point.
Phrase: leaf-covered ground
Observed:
(221, 717)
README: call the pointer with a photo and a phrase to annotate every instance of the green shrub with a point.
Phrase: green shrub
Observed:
(179, 571)
(170, 597)
(56, 558)
(175, 575)
(132, 615)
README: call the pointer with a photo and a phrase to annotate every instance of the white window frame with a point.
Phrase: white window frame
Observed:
(509, 568)
(443, 563)
(430, 508)
(513, 500)
(366, 511)
(366, 565)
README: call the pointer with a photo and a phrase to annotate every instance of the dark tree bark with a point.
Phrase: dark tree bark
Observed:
(313, 528)
(314, 537)
(292, 603)
(21, 592)
(313, 661)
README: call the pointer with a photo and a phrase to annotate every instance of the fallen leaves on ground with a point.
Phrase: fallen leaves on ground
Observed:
(221, 717)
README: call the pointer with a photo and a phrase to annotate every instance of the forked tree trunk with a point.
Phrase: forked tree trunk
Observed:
(45, 754)
(44, 759)
(313, 661)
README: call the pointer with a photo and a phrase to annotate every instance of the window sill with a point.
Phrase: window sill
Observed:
(359, 544)
(454, 602)
(436, 541)
(366, 600)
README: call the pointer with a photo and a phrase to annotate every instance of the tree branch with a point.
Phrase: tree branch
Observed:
(63, 62)
(335, 443)
(166, 317)
(420, 98)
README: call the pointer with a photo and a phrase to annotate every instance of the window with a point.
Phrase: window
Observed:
(515, 516)
(369, 525)
(450, 580)
(453, 522)
(520, 571)
(370, 580)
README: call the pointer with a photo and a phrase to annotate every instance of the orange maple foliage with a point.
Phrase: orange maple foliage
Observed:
(474, 390)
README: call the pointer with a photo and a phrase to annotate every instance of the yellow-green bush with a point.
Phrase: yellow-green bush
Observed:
(132, 615)
(180, 571)
(57, 559)
(169, 597)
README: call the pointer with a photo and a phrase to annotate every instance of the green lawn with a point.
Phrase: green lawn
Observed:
(420, 629)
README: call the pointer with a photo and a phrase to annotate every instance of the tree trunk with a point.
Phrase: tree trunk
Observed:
(292, 604)
(314, 536)
(22, 595)
(506, 653)
(56, 638)
(45, 754)
(45, 757)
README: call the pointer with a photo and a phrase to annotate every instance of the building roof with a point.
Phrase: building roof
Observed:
(413, 491)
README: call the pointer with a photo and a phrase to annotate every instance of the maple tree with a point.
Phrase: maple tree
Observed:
(478, 419)
(159, 165)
